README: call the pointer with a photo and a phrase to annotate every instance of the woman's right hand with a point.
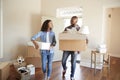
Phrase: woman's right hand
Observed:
(36, 44)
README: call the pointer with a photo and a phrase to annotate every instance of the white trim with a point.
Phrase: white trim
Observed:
(87, 63)
(1, 10)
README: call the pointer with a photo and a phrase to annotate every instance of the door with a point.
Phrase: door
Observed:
(113, 31)
(58, 28)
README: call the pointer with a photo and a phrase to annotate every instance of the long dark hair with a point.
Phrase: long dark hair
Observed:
(45, 25)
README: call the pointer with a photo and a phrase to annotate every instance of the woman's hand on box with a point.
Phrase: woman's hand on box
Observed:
(36, 44)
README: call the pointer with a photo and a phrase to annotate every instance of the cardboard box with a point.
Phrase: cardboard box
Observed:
(17, 65)
(72, 42)
(24, 75)
(36, 61)
(33, 56)
(4, 70)
(32, 52)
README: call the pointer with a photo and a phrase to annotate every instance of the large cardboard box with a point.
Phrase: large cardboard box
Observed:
(4, 70)
(32, 52)
(33, 56)
(72, 42)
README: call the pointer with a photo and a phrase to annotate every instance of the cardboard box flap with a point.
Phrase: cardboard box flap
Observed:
(72, 36)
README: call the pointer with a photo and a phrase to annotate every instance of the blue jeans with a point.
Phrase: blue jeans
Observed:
(73, 61)
(46, 58)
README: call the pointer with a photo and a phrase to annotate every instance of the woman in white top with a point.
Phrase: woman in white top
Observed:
(46, 35)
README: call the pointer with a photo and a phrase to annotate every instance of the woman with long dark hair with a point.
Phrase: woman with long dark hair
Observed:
(46, 35)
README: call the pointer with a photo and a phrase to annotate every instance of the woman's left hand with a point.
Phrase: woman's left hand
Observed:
(51, 47)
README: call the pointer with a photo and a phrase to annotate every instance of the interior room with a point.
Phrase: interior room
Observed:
(99, 20)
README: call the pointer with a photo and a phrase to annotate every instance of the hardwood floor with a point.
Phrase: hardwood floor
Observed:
(82, 73)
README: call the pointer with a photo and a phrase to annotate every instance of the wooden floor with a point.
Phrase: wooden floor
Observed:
(82, 73)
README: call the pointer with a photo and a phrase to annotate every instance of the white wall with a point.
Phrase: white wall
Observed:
(92, 16)
(21, 19)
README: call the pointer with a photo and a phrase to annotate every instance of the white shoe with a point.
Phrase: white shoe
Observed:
(48, 78)
(45, 76)
(72, 78)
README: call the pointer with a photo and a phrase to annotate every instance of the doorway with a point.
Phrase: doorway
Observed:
(113, 31)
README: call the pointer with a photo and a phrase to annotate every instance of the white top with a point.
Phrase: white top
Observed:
(47, 37)
(72, 30)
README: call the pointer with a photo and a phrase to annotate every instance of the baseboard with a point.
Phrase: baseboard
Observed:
(114, 56)
(87, 63)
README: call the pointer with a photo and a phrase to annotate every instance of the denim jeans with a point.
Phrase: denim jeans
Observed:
(73, 61)
(46, 58)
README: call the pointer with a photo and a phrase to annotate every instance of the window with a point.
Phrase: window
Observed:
(1, 30)
(67, 13)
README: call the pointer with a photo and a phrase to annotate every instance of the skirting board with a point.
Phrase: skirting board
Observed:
(87, 63)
